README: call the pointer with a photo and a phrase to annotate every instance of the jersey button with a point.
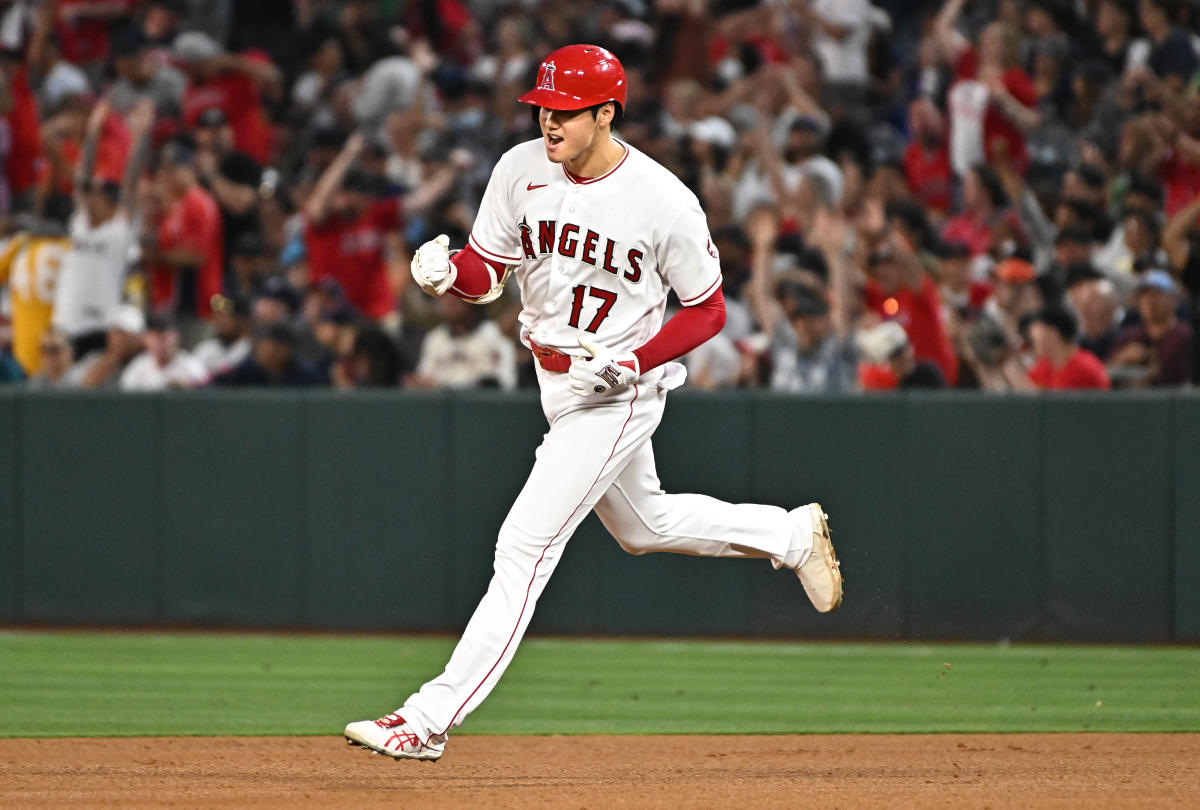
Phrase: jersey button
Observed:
(572, 209)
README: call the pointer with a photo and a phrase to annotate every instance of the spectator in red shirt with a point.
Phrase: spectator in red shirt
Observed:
(1061, 364)
(83, 27)
(1157, 351)
(347, 233)
(898, 289)
(20, 118)
(926, 160)
(993, 102)
(185, 259)
(984, 205)
(232, 83)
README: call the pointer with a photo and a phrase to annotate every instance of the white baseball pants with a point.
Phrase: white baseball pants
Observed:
(596, 455)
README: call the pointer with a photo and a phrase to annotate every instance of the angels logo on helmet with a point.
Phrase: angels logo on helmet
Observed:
(547, 82)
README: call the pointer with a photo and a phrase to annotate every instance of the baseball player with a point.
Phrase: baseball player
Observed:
(597, 233)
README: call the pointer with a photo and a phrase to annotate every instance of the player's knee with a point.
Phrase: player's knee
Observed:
(513, 539)
(637, 542)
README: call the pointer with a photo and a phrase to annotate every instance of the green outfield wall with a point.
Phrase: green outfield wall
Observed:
(955, 515)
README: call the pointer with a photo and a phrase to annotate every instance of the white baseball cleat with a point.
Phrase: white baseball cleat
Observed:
(820, 574)
(392, 736)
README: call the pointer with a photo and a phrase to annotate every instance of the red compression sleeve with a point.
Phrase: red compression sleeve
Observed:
(473, 277)
(686, 330)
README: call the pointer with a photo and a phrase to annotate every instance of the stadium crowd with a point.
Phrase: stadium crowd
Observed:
(987, 194)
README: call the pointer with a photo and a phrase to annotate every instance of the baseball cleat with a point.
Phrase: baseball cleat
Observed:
(392, 736)
(820, 574)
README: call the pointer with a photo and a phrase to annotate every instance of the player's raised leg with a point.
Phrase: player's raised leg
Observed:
(582, 454)
(644, 519)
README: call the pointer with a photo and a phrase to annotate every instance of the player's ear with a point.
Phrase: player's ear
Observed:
(606, 113)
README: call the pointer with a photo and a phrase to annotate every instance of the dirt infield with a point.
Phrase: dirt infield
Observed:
(996, 771)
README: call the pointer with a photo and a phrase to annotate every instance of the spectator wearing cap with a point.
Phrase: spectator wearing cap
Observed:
(350, 234)
(232, 83)
(139, 75)
(1014, 296)
(185, 257)
(272, 363)
(806, 354)
(275, 301)
(103, 239)
(250, 265)
(335, 328)
(992, 103)
(1156, 351)
(810, 346)
(465, 351)
(59, 78)
(103, 370)
(163, 365)
(230, 343)
(887, 344)
(231, 176)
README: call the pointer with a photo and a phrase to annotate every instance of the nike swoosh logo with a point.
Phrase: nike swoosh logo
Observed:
(532, 187)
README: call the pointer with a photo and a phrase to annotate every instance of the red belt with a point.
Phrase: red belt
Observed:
(550, 359)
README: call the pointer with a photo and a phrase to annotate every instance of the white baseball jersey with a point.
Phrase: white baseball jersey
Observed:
(93, 274)
(595, 257)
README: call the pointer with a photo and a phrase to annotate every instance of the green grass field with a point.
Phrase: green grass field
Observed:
(120, 684)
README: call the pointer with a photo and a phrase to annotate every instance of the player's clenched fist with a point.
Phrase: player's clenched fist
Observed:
(603, 371)
(431, 266)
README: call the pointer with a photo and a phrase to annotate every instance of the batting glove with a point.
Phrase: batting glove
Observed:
(604, 371)
(431, 266)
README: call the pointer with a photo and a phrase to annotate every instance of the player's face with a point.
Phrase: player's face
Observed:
(567, 134)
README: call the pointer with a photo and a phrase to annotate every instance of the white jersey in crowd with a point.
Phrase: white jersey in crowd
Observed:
(93, 274)
(145, 374)
(845, 59)
(469, 360)
(968, 101)
(595, 256)
(218, 357)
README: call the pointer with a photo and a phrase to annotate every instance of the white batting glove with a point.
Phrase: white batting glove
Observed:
(604, 371)
(431, 266)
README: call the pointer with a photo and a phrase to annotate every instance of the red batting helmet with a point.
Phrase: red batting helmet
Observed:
(578, 76)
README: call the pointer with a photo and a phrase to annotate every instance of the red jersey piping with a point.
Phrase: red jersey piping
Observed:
(583, 181)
